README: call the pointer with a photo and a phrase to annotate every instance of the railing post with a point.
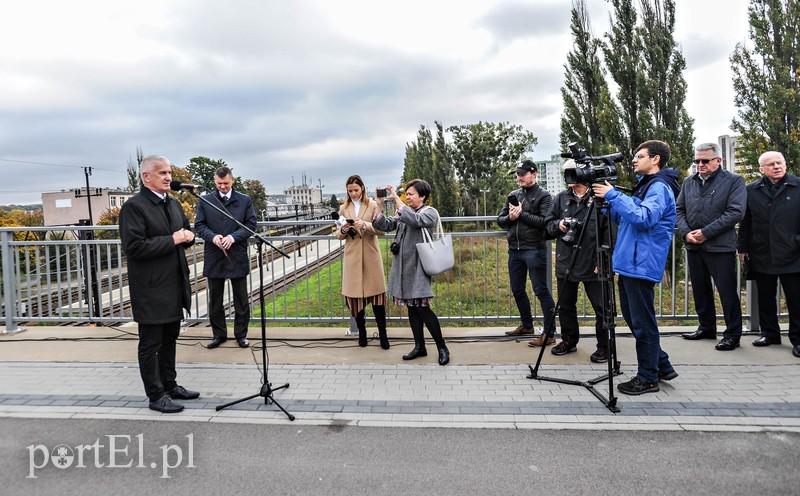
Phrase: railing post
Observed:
(8, 284)
(751, 306)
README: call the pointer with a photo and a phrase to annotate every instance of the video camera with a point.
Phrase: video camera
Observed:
(585, 172)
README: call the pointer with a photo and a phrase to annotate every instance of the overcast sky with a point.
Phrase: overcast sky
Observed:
(279, 89)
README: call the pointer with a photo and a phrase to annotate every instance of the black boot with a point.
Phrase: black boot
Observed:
(361, 323)
(444, 355)
(417, 329)
(380, 319)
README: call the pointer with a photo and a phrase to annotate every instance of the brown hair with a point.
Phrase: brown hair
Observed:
(356, 179)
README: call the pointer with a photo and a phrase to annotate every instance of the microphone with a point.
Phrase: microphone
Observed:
(177, 186)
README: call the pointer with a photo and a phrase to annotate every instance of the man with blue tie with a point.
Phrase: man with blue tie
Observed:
(226, 255)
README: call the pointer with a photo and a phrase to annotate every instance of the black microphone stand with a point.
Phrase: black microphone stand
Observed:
(606, 277)
(266, 390)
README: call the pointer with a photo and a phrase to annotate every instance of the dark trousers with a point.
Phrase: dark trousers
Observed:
(636, 302)
(533, 263)
(157, 357)
(241, 307)
(768, 305)
(721, 267)
(568, 311)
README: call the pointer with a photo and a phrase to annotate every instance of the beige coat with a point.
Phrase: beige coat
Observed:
(362, 274)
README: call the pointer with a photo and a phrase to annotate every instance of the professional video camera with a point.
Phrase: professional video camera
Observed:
(585, 172)
(573, 228)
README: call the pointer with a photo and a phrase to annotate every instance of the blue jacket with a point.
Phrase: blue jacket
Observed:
(646, 224)
(209, 222)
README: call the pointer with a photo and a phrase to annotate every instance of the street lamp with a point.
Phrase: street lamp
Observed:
(321, 198)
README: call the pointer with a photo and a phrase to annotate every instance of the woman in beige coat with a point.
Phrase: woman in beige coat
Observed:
(363, 280)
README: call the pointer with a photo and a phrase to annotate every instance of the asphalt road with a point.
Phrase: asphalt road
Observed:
(217, 458)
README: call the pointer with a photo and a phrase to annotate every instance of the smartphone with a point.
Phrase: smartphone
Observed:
(512, 200)
(351, 221)
(382, 192)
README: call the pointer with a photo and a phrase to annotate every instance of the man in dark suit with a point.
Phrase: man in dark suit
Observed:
(155, 234)
(769, 236)
(226, 255)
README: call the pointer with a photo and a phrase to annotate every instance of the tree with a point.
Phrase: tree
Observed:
(766, 82)
(135, 171)
(255, 190)
(482, 155)
(334, 203)
(587, 102)
(431, 162)
(188, 201)
(202, 170)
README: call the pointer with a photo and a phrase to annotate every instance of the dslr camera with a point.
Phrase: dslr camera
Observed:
(585, 172)
(394, 248)
(573, 229)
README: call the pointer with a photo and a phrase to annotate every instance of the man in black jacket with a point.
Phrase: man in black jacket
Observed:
(567, 219)
(709, 206)
(769, 236)
(524, 217)
(225, 255)
(155, 234)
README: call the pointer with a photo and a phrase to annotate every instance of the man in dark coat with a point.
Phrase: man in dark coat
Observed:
(569, 208)
(710, 204)
(769, 236)
(226, 255)
(155, 234)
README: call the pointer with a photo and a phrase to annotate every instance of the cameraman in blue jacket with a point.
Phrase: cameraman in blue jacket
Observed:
(646, 222)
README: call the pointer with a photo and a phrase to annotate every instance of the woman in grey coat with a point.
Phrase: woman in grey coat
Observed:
(408, 283)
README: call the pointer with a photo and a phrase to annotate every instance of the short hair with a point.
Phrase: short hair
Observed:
(660, 148)
(224, 171)
(356, 179)
(763, 155)
(713, 147)
(149, 161)
(423, 188)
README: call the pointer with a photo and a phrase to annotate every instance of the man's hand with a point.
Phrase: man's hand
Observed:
(742, 256)
(600, 190)
(223, 242)
(561, 226)
(698, 236)
(182, 236)
(514, 211)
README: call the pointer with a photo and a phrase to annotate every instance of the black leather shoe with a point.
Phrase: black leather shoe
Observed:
(727, 344)
(444, 355)
(667, 376)
(796, 350)
(181, 393)
(416, 352)
(215, 343)
(166, 405)
(243, 342)
(764, 341)
(699, 334)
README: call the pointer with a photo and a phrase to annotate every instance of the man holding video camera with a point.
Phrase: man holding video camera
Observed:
(646, 221)
(576, 233)
(523, 216)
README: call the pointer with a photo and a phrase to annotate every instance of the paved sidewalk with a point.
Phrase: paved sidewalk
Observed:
(748, 389)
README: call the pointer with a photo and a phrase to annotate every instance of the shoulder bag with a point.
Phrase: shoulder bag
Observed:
(436, 255)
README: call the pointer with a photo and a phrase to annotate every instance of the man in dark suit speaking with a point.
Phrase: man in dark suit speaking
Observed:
(226, 255)
(155, 234)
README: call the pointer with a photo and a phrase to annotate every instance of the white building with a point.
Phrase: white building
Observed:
(68, 208)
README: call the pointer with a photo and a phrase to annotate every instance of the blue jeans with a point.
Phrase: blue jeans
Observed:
(521, 264)
(636, 301)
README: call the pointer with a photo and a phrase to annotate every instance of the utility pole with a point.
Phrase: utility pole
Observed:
(89, 260)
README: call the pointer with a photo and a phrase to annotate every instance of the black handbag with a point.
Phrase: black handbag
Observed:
(747, 270)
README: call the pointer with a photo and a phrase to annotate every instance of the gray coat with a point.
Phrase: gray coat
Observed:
(715, 208)
(407, 280)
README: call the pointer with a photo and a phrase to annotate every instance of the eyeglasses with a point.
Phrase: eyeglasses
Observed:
(643, 155)
(704, 161)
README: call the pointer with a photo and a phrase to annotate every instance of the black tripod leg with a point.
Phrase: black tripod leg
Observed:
(226, 405)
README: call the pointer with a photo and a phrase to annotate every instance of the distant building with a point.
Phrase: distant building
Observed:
(64, 208)
(551, 175)
(304, 194)
(728, 145)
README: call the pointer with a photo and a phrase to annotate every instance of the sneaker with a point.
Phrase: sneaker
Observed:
(563, 348)
(636, 386)
(667, 376)
(599, 356)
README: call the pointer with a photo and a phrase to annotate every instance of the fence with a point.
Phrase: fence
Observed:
(57, 275)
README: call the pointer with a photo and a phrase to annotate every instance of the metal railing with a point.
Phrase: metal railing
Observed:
(51, 278)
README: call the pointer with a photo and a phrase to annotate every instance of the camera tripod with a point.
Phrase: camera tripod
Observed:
(606, 277)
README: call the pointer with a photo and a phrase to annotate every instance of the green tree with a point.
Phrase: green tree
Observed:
(334, 203)
(135, 171)
(587, 102)
(202, 170)
(766, 81)
(256, 191)
(482, 155)
(429, 160)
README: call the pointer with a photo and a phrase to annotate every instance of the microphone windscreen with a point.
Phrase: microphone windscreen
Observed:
(175, 185)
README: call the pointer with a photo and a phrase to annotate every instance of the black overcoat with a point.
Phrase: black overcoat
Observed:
(208, 222)
(770, 231)
(158, 275)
